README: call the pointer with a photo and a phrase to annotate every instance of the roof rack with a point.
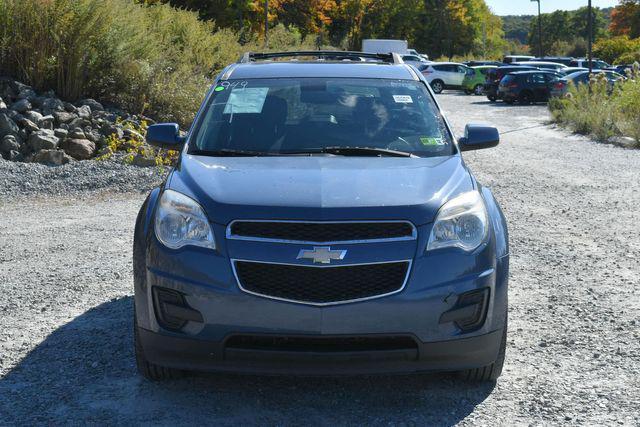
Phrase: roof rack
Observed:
(392, 58)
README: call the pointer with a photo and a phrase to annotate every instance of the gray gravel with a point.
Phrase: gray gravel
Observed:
(574, 330)
(28, 179)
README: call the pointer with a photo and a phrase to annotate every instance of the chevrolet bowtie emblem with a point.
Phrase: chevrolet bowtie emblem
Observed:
(321, 254)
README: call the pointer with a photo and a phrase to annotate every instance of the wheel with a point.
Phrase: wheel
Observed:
(147, 369)
(478, 89)
(525, 98)
(489, 372)
(437, 86)
(492, 98)
(509, 101)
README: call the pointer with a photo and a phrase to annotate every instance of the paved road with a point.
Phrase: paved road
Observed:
(573, 348)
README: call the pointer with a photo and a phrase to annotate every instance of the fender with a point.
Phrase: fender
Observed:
(498, 223)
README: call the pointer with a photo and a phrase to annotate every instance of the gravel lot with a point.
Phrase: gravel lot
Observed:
(574, 331)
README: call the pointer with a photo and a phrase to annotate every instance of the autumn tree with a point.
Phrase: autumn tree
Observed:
(625, 19)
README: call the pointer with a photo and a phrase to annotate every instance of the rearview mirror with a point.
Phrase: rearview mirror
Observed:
(478, 136)
(165, 135)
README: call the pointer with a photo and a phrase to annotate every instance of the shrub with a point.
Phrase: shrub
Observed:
(602, 111)
(147, 59)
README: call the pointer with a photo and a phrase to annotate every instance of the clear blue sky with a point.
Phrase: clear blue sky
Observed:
(527, 7)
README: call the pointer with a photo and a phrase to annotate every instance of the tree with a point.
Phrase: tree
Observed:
(625, 19)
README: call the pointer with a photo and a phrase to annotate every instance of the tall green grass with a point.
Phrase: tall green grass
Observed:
(148, 59)
(601, 111)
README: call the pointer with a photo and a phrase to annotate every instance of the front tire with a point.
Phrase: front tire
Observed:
(525, 98)
(149, 370)
(478, 90)
(490, 372)
(492, 98)
(437, 86)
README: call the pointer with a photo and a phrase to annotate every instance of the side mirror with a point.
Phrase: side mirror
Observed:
(165, 135)
(478, 136)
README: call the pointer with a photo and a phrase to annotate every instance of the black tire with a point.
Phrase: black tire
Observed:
(478, 89)
(492, 98)
(489, 372)
(509, 101)
(149, 370)
(437, 86)
(525, 98)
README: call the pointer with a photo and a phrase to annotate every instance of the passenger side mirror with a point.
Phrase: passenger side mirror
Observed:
(165, 135)
(478, 136)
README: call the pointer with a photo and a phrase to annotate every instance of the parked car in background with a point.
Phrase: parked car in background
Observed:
(475, 78)
(622, 69)
(482, 62)
(415, 52)
(565, 60)
(527, 86)
(494, 76)
(570, 70)
(516, 58)
(561, 87)
(553, 66)
(414, 60)
(597, 64)
(444, 75)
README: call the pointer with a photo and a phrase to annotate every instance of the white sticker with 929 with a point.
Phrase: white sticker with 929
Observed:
(403, 99)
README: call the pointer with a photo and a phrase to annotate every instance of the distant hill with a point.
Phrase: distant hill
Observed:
(516, 27)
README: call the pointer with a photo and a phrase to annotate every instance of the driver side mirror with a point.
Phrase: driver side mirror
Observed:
(478, 136)
(165, 135)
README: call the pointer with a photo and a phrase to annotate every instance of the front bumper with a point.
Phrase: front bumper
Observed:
(200, 355)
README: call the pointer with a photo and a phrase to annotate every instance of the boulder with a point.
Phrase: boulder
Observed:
(15, 156)
(46, 122)
(64, 117)
(21, 106)
(27, 93)
(44, 139)
(49, 105)
(9, 143)
(77, 133)
(70, 107)
(84, 112)
(7, 126)
(61, 133)
(81, 149)
(141, 160)
(34, 116)
(3, 106)
(109, 129)
(51, 157)
(28, 125)
(92, 104)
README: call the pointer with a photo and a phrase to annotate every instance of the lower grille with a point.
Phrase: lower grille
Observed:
(321, 285)
(320, 344)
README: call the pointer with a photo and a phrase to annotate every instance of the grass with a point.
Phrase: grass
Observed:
(600, 111)
(153, 60)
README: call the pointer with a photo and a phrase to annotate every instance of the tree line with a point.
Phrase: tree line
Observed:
(436, 27)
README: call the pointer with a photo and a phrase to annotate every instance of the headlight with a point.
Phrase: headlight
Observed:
(180, 221)
(461, 222)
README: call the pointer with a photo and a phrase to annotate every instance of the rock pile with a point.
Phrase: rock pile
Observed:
(44, 129)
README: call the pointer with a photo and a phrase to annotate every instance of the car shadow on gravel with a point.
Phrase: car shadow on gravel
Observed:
(85, 372)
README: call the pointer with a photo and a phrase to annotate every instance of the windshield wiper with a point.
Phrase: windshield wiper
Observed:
(363, 151)
(230, 152)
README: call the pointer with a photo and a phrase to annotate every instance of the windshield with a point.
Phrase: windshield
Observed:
(300, 115)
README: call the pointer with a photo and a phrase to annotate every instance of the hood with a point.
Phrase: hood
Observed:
(321, 187)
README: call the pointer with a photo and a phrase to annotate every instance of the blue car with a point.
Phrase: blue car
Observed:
(320, 220)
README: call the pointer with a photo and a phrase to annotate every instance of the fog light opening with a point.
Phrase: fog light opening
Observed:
(470, 310)
(172, 311)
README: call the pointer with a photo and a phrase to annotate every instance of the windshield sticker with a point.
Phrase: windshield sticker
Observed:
(246, 100)
(403, 99)
(430, 141)
(219, 88)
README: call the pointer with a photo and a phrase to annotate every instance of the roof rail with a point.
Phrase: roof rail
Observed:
(392, 58)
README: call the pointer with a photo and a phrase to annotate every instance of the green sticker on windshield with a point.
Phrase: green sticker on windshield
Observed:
(430, 141)
(219, 88)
